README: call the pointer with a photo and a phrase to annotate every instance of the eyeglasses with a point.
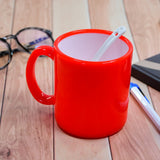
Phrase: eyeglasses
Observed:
(27, 39)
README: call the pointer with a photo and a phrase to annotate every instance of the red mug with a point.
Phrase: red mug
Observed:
(91, 98)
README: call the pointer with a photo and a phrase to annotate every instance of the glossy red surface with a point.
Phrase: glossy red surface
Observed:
(31, 78)
(91, 98)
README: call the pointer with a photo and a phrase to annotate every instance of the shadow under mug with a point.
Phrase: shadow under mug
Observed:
(91, 98)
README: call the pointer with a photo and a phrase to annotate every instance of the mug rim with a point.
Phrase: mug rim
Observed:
(107, 32)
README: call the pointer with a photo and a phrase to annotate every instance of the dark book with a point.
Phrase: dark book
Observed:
(148, 71)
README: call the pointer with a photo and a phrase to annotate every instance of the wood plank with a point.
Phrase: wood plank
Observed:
(2, 88)
(155, 99)
(73, 15)
(27, 126)
(70, 15)
(131, 140)
(144, 25)
(147, 37)
(145, 32)
(7, 8)
(136, 140)
(68, 147)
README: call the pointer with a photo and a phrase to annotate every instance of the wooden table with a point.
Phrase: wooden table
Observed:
(28, 130)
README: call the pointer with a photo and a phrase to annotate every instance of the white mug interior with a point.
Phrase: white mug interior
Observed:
(84, 46)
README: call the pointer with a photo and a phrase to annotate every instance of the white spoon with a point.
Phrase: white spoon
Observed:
(116, 34)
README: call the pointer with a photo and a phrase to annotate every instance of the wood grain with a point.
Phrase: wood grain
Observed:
(70, 15)
(7, 8)
(27, 126)
(146, 33)
(67, 147)
(135, 140)
(75, 16)
(130, 142)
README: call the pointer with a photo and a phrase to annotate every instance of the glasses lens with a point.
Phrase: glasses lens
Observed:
(33, 38)
(4, 54)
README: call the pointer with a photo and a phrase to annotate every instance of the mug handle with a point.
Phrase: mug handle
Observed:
(36, 92)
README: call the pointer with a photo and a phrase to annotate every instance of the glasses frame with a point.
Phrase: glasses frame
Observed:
(9, 55)
(10, 36)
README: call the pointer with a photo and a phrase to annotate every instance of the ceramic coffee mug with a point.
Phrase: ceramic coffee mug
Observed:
(91, 98)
